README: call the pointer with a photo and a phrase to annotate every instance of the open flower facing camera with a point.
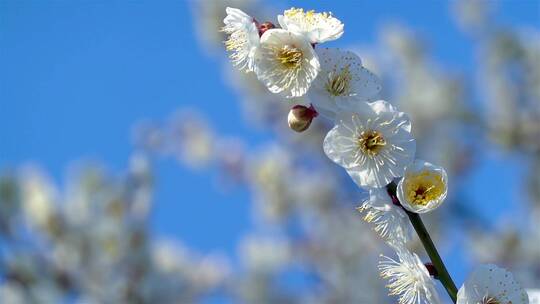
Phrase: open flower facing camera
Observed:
(286, 62)
(371, 139)
(342, 82)
(423, 187)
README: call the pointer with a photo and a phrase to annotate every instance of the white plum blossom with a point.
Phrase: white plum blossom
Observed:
(534, 296)
(262, 253)
(342, 81)
(489, 284)
(286, 62)
(372, 141)
(423, 187)
(38, 197)
(409, 279)
(316, 27)
(390, 220)
(243, 38)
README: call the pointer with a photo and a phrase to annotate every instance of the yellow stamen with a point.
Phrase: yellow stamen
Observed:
(289, 56)
(371, 142)
(311, 18)
(232, 44)
(423, 187)
(338, 84)
(235, 44)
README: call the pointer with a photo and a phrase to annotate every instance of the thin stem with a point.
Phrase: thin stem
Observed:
(442, 273)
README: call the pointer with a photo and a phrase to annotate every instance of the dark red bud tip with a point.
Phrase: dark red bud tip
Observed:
(265, 26)
(305, 111)
(431, 269)
(313, 111)
(395, 201)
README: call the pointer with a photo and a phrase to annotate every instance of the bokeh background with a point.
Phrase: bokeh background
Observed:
(137, 166)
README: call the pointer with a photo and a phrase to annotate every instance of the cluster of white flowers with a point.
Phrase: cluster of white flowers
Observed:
(89, 242)
(371, 139)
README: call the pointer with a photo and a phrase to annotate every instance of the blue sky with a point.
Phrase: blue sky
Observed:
(76, 75)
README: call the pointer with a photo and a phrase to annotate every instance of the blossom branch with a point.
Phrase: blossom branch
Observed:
(371, 139)
(442, 273)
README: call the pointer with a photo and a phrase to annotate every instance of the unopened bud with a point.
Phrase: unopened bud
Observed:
(300, 117)
(265, 26)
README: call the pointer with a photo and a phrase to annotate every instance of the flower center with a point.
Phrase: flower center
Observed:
(289, 56)
(371, 142)
(423, 187)
(490, 300)
(338, 84)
